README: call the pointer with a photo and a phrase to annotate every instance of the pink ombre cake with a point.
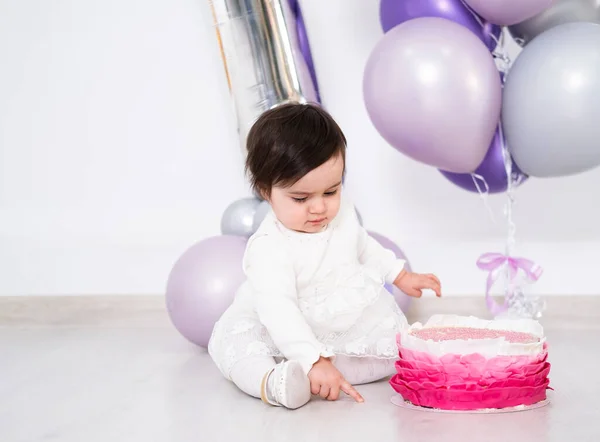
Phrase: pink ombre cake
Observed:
(465, 363)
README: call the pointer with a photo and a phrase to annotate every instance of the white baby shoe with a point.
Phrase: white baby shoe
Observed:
(286, 385)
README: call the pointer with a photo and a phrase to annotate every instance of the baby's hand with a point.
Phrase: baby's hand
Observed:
(413, 283)
(327, 381)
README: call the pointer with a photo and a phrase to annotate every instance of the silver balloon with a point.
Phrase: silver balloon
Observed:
(551, 102)
(263, 61)
(561, 12)
(238, 218)
(261, 211)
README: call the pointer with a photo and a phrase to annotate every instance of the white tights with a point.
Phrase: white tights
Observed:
(248, 373)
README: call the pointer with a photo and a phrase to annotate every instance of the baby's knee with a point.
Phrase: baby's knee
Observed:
(364, 370)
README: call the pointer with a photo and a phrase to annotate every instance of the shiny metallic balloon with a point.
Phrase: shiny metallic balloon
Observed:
(263, 60)
(394, 12)
(551, 102)
(561, 12)
(238, 218)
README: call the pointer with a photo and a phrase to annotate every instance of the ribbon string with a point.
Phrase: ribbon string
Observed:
(493, 263)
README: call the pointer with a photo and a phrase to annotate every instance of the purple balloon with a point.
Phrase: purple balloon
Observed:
(202, 285)
(304, 44)
(433, 92)
(394, 12)
(491, 169)
(402, 299)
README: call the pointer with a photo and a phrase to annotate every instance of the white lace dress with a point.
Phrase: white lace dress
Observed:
(311, 295)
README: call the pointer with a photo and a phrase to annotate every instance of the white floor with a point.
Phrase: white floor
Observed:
(97, 381)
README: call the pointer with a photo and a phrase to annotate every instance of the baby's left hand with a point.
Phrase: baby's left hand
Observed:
(413, 283)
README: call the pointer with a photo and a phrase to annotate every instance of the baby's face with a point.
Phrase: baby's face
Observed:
(313, 201)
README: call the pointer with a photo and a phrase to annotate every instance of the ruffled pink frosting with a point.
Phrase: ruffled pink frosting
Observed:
(467, 382)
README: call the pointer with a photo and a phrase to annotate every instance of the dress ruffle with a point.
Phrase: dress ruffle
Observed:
(360, 326)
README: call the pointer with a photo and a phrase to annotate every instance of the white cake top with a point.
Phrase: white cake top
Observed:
(449, 334)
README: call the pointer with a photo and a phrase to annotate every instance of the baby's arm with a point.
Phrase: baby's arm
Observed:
(375, 256)
(271, 274)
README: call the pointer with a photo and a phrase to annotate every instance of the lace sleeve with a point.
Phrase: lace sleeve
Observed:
(271, 275)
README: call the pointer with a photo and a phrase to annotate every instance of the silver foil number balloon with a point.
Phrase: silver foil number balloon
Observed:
(263, 61)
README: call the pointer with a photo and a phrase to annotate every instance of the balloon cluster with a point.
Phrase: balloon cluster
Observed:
(439, 88)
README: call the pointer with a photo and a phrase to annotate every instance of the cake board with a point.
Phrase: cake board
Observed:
(399, 401)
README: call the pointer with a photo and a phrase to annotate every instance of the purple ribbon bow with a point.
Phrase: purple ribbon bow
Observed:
(492, 263)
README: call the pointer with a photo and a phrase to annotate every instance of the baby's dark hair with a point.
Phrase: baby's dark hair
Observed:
(287, 142)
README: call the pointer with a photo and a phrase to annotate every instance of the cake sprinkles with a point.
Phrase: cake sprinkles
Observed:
(452, 333)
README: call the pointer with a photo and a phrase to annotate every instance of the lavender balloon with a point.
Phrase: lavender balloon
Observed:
(202, 285)
(402, 299)
(492, 170)
(433, 92)
(394, 12)
(508, 12)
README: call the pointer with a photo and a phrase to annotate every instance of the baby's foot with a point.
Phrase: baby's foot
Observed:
(286, 385)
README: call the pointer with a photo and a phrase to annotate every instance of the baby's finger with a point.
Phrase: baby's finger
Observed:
(429, 283)
(334, 394)
(414, 292)
(435, 286)
(315, 387)
(351, 391)
(435, 278)
(324, 392)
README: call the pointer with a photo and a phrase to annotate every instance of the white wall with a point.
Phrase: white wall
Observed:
(109, 112)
